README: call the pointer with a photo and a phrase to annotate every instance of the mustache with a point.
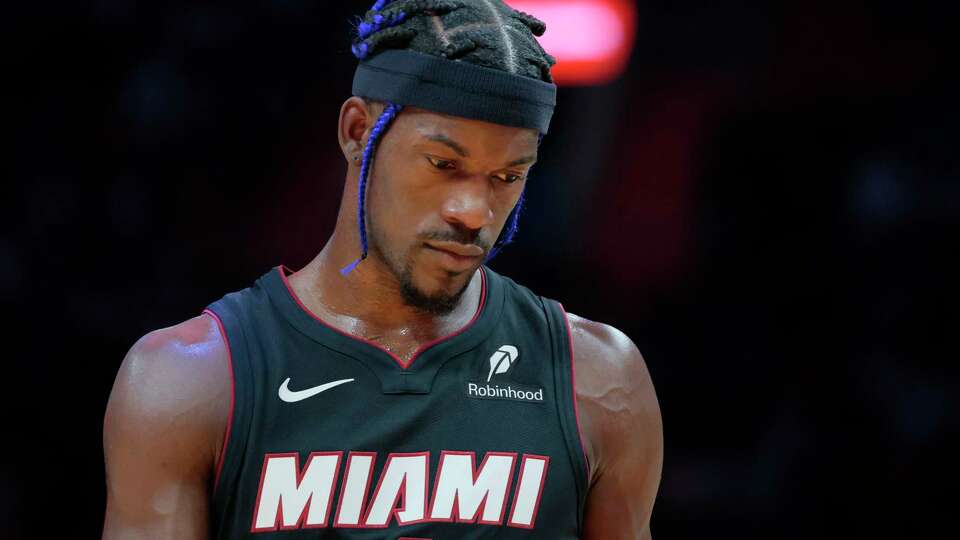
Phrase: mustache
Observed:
(461, 236)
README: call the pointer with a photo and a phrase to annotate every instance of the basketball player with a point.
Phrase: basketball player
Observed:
(396, 387)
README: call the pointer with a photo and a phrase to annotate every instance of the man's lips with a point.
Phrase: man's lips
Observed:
(457, 249)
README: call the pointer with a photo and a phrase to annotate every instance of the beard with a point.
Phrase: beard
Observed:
(440, 302)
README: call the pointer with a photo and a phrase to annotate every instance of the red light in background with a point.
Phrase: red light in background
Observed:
(591, 39)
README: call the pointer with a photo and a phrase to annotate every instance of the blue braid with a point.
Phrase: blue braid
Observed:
(506, 236)
(513, 220)
(380, 22)
(361, 49)
(387, 116)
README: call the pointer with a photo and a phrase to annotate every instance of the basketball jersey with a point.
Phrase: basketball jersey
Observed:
(331, 436)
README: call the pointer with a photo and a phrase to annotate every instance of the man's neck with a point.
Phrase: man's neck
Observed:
(369, 304)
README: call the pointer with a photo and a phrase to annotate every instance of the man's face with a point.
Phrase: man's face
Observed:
(440, 190)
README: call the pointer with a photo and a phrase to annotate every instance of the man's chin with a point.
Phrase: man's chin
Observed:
(439, 299)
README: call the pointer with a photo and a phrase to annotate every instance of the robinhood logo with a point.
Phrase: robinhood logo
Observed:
(511, 392)
(501, 360)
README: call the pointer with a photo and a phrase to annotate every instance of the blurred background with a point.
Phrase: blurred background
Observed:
(764, 195)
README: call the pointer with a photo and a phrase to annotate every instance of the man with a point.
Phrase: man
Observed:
(411, 390)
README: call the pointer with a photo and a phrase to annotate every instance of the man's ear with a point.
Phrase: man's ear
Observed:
(356, 121)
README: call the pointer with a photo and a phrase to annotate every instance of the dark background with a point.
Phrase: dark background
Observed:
(768, 203)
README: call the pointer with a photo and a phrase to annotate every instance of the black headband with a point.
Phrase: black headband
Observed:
(455, 87)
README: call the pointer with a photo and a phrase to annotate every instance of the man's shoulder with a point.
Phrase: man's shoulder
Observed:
(603, 348)
(194, 347)
(613, 388)
(163, 431)
(175, 376)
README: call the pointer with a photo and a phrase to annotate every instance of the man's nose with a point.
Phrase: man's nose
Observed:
(469, 203)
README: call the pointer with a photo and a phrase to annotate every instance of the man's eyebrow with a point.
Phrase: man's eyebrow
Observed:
(443, 139)
(522, 161)
(459, 149)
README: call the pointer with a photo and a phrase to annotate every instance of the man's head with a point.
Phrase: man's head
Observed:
(441, 190)
(465, 94)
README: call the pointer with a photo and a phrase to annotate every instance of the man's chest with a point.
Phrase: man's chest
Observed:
(481, 445)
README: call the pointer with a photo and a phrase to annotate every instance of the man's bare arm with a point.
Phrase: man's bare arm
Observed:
(163, 432)
(622, 428)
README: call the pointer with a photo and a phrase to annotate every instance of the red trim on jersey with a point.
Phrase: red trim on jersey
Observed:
(576, 408)
(366, 490)
(536, 506)
(233, 400)
(397, 359)
(478, 514)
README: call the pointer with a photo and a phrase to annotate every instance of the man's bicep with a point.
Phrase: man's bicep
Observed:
(157, 444)
(625, 425)
(621, 499)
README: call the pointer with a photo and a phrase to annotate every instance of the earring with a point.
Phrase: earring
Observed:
(356, 159)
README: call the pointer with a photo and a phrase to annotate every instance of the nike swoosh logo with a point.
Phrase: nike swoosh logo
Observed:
(292, 397)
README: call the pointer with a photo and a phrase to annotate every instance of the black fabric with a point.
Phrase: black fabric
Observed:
(457, 88)
(272, 337)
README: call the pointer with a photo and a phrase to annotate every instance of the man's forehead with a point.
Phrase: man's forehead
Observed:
(431, 124)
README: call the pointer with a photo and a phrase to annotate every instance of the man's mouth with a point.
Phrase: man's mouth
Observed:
(458, 250)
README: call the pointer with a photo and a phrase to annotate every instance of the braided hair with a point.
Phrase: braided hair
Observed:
(485, 33)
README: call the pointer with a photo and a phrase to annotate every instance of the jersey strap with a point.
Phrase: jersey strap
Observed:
(564, 376)
(228, 312)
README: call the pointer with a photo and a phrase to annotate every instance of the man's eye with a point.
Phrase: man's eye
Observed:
(511, 178)
(441, 163)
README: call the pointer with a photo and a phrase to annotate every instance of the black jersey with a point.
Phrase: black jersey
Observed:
(331, 436)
